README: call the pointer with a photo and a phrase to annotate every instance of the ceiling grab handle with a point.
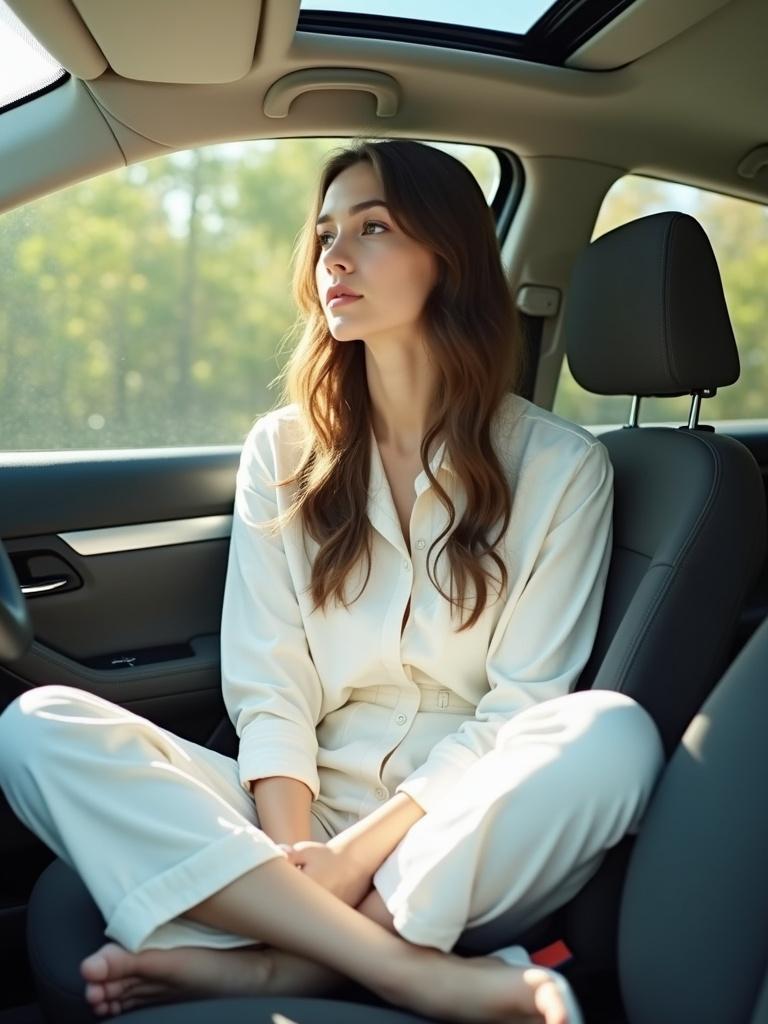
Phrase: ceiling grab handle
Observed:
(284, 91)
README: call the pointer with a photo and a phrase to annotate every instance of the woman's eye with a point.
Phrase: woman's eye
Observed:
(368, 224)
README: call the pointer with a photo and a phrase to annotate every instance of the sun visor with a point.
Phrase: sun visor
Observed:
(180, 41)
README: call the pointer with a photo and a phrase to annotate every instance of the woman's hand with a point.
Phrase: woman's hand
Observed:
(332, 867)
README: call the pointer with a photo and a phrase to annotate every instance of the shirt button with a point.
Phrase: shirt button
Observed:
(401, 719)
(381, 794)
(406, 564)
(421, 543)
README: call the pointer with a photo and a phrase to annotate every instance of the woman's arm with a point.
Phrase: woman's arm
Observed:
(346, 864)
(282, 805)
(271, 688)
(371, 840)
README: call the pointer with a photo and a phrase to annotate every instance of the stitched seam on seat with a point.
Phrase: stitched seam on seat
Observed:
(668, 346)
(704, 514)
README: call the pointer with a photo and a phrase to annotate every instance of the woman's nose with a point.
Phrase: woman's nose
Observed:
(336, 256)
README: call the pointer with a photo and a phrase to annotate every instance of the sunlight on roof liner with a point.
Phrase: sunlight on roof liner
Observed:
(25, 67)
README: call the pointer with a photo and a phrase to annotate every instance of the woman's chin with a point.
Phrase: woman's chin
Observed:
(342, 333)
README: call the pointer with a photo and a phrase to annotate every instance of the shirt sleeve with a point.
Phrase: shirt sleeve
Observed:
(270, 685)
(540, 644)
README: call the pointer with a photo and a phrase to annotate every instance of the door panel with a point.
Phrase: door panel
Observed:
(134, 624)
(159, 605)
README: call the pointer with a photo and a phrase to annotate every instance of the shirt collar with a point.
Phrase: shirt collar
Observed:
(381, 507)
(440, 462)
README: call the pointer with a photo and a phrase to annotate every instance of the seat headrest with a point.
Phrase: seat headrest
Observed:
(646, 313)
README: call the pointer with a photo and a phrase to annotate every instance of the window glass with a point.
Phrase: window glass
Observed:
(25, 66)
(489, 14)
(152, 305)
(738, 231)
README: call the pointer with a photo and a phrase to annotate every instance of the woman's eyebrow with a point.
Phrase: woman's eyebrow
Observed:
(354, 209)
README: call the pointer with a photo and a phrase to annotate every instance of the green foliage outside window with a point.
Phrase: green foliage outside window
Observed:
(151, 306)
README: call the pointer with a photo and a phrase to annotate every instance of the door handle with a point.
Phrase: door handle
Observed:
(30, 589)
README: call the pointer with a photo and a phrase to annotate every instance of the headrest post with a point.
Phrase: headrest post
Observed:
(693, 415)
(696, 397)
(634, 412)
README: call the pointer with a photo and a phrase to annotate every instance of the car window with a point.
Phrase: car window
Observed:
(151, 306)
(738, 231)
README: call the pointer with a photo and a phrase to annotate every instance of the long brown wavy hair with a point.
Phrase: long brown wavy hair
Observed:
(473, 338)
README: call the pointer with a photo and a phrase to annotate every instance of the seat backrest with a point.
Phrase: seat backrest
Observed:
(646, 316)
(689, 541)
(693, 933)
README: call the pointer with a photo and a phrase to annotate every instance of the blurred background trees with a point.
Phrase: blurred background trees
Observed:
(152, 306)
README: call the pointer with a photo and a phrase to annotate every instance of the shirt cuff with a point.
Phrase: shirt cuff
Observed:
(280, 749)
(435, 779)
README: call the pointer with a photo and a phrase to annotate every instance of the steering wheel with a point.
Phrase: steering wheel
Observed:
(15, 623)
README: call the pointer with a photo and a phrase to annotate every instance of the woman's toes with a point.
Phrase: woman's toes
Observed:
(108, 963)
(95, 993)
(120, 988)
(94, 967)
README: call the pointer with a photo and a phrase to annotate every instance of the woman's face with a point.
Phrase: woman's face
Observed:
(363, 250)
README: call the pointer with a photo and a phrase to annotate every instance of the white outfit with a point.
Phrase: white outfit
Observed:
(525, 784)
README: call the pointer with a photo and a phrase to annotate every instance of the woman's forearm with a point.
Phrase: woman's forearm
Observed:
(283, 808)
(371, 840)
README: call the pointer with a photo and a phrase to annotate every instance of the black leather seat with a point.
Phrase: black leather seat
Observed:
(646, 316)
(693, 934)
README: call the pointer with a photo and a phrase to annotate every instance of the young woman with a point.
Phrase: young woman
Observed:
(417, 567)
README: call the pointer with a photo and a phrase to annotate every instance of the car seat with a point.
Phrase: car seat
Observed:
(693, 941)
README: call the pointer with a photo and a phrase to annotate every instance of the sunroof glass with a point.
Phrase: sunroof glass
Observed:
(25, 66)
(517, 16)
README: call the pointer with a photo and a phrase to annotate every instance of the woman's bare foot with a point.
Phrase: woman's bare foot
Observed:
(481, 989)
(118, 981)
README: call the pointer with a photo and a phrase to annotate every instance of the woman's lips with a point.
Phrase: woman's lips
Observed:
(342, 300)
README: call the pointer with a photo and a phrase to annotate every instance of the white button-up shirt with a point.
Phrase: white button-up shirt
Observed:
(344, 701)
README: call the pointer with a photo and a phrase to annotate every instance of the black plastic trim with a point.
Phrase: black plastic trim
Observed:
(551, 40)
(38, 92)
(568, 25)
(507, 197)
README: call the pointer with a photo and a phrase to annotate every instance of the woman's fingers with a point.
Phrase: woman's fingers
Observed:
(292, 855)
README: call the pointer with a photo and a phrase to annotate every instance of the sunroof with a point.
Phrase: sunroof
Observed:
(516, 17)
(544, 31)
(26, 67)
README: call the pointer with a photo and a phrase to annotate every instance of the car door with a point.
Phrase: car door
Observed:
(124, 560)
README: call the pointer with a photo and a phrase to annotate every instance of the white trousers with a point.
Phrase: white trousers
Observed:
(154, 823)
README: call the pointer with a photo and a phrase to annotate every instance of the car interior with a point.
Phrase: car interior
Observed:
(152, 179)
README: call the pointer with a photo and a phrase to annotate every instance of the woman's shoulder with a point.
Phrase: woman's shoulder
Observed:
(528, 433)
(274, 438)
